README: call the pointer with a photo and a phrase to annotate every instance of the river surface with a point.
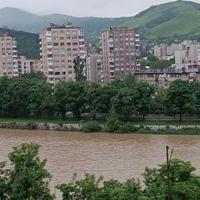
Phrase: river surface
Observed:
(113, 156)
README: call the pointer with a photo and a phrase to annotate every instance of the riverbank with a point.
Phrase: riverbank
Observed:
(165, 127)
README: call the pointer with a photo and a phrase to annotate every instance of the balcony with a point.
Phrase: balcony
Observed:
(50, 46)
(49, 40)
(50, 63)
(48, 34)
(82, 40)
(50, 69)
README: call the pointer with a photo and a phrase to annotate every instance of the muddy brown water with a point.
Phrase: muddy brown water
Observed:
(113, 156)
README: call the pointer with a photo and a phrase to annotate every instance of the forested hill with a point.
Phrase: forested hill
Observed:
(27, 43)
(169, 20)
(174, 20)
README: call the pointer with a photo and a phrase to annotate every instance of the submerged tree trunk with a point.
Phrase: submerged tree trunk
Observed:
(94, 116)
(181, 118)
(143, 117)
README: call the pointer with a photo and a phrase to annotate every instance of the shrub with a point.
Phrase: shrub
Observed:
(113, 123)
(127, 128)
(31, 125)
(90, 127)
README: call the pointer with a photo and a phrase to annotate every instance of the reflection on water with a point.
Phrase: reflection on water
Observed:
(113, 156)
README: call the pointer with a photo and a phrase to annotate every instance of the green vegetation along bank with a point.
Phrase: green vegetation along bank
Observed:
(112, 106)
(189, 128)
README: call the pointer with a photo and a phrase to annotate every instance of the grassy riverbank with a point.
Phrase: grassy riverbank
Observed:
(165, 127)
(169, 131)
(73, 121)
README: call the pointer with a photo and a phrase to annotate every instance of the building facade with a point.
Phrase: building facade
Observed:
(59, 46)
(120, 53)
(165, 51)
(187, 56)
(94, 68)
(8, 56)
(24, 65)
(36, 66)
(164, 77)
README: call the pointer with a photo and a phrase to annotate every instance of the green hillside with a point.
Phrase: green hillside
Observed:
(179, 19)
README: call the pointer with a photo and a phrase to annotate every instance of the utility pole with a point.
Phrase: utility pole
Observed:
(169, 194)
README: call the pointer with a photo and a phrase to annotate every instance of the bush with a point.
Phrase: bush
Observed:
(116, 126)
(113, 123)
(127, 128)
(31, 125)
(90, 127)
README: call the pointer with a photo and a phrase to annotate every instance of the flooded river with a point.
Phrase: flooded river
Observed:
(113, 156)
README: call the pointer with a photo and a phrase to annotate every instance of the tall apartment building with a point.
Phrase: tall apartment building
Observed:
(121, 52)
(94, 67)
(8, 56)
(59, 46)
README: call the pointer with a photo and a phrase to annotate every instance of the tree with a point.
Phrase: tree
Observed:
(130, 81)
(104, 99)
(79, 65)
(123, 102)
(49, 105)
(86, 188)
(179, 98)
(60, 92)
(23, 96)
(93, 98)
(159, 100)
(71, 97)
(195, 108)
(4, 187)
(5, 97)
(93, 188)
(36, 95)
(184, 184)
(28, 178)
(153, 62)
(143, 98)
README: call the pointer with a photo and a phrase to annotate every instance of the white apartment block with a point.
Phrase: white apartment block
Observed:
(8, 56)
(120, 51)
(59, 46)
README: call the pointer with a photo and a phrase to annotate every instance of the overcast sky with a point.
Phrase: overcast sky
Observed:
(98, 8)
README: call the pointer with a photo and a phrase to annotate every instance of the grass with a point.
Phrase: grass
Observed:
(93, 128)
(167, 122)
(183, 131)
(40, 120)
(74, 121)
